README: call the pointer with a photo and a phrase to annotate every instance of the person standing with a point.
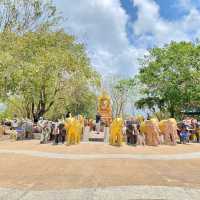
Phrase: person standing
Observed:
(15, 123)
(68, 115)
(16, 126)
(56, 133)
(46, 130)
(129, 131)
(28, 129)
(62, 132)
(184, 135)
(98, 122)
(40, 123)
(195, 128)
(135, 134)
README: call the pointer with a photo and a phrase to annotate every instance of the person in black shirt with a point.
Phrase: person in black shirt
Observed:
(68, 115)
(98, 122)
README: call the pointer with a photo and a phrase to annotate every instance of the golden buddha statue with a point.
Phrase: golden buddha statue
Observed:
(104, 107)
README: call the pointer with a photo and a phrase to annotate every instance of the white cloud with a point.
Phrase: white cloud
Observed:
(191, 23)
(152, 26)
(185, 4)
(155, 30)
(101, 25)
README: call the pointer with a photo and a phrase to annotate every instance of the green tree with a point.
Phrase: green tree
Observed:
(23, 16)
(37, 68)
(171, 77)
(120, 90)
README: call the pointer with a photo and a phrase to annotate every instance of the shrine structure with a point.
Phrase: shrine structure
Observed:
(104, 108)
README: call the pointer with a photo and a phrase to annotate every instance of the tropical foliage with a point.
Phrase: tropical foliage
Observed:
(43, 70)
(24, 16)
(171, 78)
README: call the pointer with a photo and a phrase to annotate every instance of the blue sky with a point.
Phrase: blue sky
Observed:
(118, 32)
(169, 9)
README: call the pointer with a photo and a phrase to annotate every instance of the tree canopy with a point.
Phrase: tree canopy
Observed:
(171, 77)
(120, 90)
(41, 68)
(45, 71)
(23, 16)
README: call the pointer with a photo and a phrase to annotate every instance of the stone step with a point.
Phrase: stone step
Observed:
(94, 137)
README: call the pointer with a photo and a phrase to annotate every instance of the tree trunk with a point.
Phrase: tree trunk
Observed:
(172, 112)
(41, 110)
(42, 106)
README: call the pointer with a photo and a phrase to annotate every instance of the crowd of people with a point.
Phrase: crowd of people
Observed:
(135, 130)
(189, 130)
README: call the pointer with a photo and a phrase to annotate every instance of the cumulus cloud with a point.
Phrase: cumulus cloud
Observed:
(102, 26)
(152, 26)
(153, 29)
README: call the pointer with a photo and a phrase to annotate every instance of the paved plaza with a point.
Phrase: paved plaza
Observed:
(31, 171)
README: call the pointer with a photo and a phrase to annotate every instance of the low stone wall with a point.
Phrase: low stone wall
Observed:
(2, 130)
(36, 136)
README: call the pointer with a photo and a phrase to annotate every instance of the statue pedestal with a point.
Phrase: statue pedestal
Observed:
(94, 137)
(106, 134)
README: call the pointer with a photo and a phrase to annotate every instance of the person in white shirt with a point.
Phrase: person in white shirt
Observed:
(45, 130)
(15, 124)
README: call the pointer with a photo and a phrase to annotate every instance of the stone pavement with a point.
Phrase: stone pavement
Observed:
(98, 148)
(183, 156)
(30, 171)
(110, 193)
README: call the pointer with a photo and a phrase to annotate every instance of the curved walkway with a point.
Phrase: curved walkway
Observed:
(185, 156)
(110, 193)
